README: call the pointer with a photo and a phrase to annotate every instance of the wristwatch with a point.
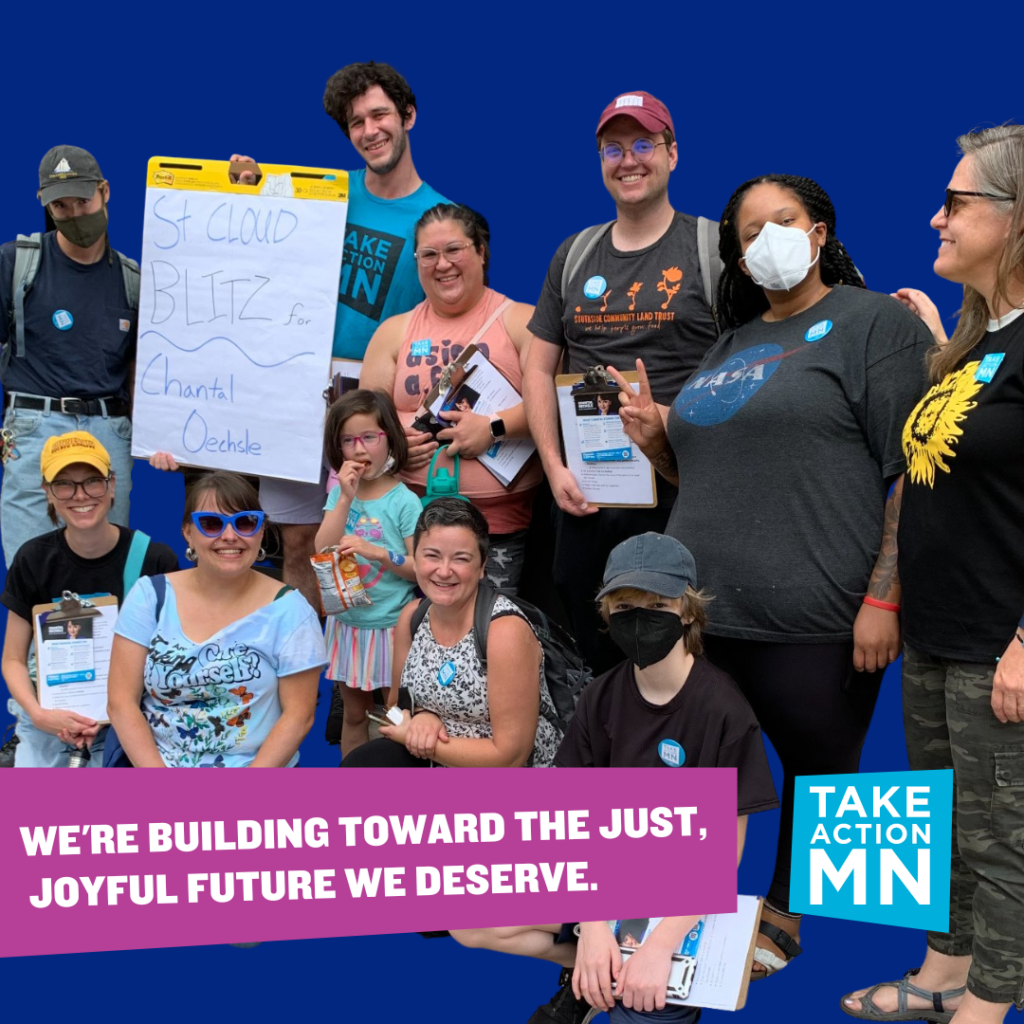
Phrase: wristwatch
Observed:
(497, 428)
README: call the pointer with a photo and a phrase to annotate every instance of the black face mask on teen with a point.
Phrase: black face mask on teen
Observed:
(645, 635)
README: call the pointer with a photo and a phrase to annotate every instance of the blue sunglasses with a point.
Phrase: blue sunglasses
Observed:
(213, 524)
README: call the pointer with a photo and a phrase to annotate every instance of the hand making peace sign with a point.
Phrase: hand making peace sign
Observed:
(640, 414)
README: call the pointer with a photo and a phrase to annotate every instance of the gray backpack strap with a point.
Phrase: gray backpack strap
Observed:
(26, 266)
(131, 274)
(709, 260)
(580, 249)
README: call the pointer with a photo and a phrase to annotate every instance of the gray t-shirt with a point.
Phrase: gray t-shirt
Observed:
(785, 439)
(622, 305)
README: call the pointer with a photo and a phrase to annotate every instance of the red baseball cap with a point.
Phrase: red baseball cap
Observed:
(644, 108)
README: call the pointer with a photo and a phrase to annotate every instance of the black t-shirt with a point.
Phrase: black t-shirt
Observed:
(45, 567)
(961, 537)
(623, 305)
(784, 440)
(92, 357)
(708, 724)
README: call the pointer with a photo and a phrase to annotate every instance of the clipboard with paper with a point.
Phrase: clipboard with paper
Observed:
(73, 639)
(711, 965)
(611, 470)
(472, 383)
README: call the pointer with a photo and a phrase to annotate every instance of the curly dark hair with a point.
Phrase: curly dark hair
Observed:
(474, 225)
(348, 84)
(739, 299)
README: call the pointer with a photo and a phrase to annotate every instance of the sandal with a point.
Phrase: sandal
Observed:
(869, 1011)
(771, 961)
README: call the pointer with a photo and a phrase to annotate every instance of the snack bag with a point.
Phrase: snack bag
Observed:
(341, 587)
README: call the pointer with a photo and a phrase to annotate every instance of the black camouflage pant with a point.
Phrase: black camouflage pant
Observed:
(949, 723)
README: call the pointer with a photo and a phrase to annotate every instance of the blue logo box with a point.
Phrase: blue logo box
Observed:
(874, 847)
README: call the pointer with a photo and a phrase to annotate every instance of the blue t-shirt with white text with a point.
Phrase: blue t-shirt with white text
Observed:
(378, 273)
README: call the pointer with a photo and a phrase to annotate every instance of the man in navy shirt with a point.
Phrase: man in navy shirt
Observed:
(68, 341)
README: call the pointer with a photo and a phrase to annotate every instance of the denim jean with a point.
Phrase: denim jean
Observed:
(22, 499)
(38, 749)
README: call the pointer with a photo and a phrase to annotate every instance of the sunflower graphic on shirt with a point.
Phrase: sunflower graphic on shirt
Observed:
(933, 428)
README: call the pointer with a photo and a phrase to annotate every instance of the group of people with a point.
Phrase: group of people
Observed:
(843, 475)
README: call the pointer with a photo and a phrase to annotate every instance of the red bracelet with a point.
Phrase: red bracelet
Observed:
(884, 605)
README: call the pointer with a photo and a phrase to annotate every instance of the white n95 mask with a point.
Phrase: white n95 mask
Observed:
(779, 257)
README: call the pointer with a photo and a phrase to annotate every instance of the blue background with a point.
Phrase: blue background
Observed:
(865, 98)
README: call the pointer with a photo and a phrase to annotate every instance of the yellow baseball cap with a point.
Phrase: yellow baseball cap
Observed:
(65, 450)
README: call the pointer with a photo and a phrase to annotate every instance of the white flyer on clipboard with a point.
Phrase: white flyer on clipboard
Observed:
(73, 657)
(486, 390)
(609, 468)
(711, 965)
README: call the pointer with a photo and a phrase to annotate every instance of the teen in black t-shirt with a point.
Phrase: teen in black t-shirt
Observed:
(664, 706)
(87, 556)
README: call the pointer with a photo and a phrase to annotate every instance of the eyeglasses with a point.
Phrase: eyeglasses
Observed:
(453, 253)
(369, 440)
(213, 524)
(642, 149)
(94, 487)
(953, 192)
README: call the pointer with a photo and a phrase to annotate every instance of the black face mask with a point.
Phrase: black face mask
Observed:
(645, 635)
(84, 230)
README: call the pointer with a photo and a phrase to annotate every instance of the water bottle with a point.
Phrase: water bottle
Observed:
(80, 758)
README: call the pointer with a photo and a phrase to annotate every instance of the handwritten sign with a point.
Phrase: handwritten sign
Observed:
(236, 316)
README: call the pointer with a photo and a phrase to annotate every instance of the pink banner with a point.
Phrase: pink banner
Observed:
(135, 859)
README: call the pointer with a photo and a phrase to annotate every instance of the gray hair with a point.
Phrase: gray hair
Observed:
(997, 167)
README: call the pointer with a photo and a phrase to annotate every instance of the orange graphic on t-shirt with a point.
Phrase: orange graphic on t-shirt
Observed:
(675, 275)
(605, 297)
(633, 292)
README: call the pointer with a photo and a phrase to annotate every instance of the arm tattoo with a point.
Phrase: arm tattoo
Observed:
(885, 579)
(664, 461)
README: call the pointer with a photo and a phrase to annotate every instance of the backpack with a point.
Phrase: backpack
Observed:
(113, 753)
(565, 672)
(26, 265)
(707, 257)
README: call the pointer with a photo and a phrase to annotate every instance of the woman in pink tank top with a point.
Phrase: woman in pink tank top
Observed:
(409, 352)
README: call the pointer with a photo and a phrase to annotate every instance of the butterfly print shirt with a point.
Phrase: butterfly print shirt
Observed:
(212, 704)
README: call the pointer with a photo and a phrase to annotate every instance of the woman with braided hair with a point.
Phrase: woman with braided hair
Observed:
(785, 443)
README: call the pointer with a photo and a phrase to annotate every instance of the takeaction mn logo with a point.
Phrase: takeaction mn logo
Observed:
(874, 847)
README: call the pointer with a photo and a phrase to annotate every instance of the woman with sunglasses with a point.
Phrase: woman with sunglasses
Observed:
(787, 441)
(408, 353)
(88, 554)
(216, 666)
(961, 565)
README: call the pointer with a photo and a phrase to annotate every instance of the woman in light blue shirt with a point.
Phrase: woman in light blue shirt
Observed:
(215, 666)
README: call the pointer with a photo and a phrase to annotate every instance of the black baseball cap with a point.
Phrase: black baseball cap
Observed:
(652, 562)
(68, 171)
